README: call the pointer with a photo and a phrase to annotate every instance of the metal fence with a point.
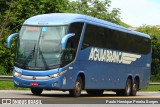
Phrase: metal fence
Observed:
(6, 78)
(10, 78)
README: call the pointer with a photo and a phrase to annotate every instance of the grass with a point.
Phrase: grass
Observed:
(151, 88)
(8, 85)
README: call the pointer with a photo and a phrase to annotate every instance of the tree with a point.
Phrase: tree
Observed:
(19, 10)
(6, 18)
(13, 13)
(155, 56)
(154, 32)
(96, 8)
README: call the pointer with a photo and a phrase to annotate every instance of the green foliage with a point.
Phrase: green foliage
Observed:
(150, 30)
(154, 32)
(155, 56)
(23, 9)
(155, 78)
(96, 8)
(12, 14)
(6, 55)
(151, 88)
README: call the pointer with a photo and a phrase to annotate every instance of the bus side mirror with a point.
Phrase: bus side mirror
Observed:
(9, 39)
(65, 39)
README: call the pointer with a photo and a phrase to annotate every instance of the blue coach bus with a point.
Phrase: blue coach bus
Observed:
(73, 52)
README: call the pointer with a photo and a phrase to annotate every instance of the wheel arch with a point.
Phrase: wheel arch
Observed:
(130, 77)
(138, 79)
(82, 75)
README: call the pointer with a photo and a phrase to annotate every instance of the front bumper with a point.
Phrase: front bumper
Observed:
(50, 83)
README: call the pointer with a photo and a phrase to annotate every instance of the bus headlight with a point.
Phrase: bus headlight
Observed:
(58, 74)
(54, 75)
(16, 73)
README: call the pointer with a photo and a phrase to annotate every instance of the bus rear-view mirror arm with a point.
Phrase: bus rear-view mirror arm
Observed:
(65, 39)
(9, 39)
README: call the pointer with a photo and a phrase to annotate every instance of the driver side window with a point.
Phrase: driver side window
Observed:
(72, 43)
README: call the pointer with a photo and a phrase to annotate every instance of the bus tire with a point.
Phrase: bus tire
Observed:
(36, 91)
(127, 90)
(76, 92)
(95, 92)
(135, 87)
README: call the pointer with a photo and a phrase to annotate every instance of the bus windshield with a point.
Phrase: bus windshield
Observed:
(39, 47)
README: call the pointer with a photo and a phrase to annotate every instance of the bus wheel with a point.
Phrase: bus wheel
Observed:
(127, 90)
(36, 91)
(134, 88)
(95, 92)
(76, 92)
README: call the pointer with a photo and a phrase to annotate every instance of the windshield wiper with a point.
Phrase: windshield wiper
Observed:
(43, 59)
(26, 61)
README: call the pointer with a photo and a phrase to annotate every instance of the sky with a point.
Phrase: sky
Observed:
(138, 12)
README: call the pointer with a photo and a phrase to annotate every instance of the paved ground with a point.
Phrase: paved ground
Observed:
(58, 97)
(62, 95)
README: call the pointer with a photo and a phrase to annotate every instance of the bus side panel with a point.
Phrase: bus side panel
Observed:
(145, 70)
(109, 75)
(71, 75)
(102, 75)
(145, 77)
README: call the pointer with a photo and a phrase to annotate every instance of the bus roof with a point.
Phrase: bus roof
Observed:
(67, 18)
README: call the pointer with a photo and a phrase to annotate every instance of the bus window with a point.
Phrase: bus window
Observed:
(72, 43)
(102, 37)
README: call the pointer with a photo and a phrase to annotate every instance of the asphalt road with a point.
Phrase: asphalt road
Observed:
(58, 97)
(60, 94)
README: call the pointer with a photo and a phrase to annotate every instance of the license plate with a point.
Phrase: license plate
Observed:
(33, 83)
